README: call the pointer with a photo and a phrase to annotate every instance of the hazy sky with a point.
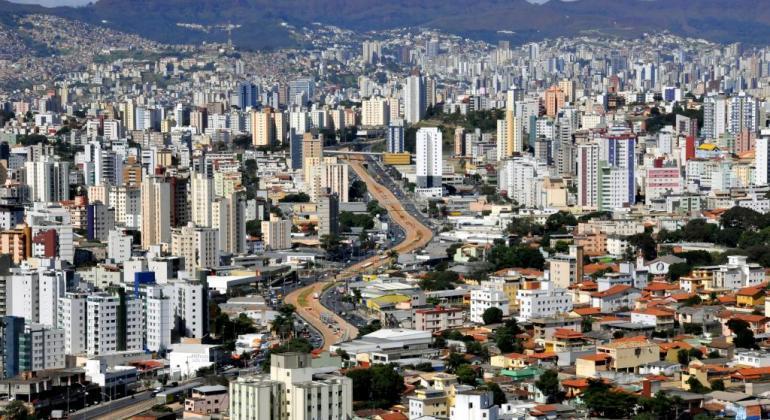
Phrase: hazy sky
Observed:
(54, 3)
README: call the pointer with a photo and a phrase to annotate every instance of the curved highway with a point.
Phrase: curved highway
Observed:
(417, 236)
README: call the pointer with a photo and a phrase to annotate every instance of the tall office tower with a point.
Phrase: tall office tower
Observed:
(429, 157)
(199, 119)
(127, 202)
(374, 112)
(229, 217)
(459, 141)
(328, 214)
(714, 116)
(100, 220)
(158, 319)
(554, 101)
(129, 115)
(276, 233)
(743, 114)
(198, 245)
(300, 90)
(396, 137)
(762, 161)
(31, 347)
(262, 127)
(588, 175)
(414, 98)
(568, 87)
(295, 150)
(248, 94)
(114, 322)
(48, 180)
(156, 211)
(72, 319)
(337, 116)
(201, 197)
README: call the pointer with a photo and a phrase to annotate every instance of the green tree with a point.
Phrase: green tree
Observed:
(498, 394)
(493, 315)
(466, 375)
(295, 198)
(717, 385)
(454, 361)
(744, 337)
(16, 410)
(379, 386)
(548, 384)
(696, 386)
(601, 401)
(646, 244)
(677, 270)
(559, 222)
(357, 190)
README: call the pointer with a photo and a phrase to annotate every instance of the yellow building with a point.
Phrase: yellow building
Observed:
(397, 158)
(429, 403)
(509, 361)
(627, 354)
(749, 297)
(387, 301)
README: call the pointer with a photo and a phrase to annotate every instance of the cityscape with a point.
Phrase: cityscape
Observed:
(399, 222)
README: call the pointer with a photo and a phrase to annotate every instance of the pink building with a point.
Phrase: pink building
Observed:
(206, 400)
(660, 180)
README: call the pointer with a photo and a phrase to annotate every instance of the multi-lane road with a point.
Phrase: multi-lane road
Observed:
(417, 236)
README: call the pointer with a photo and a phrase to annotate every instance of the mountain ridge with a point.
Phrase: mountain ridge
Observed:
(260, 20)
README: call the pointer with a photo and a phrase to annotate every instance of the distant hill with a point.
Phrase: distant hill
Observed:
(718, 20)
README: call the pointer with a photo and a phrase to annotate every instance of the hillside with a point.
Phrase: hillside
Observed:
(717, 20)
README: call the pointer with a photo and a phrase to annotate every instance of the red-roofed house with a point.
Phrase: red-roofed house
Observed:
(616, 298)
(657, 317)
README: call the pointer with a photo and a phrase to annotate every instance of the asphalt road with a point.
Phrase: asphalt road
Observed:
(112, 409)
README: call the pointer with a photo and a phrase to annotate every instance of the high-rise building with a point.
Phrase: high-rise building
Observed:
(276, 233)
(114, 322)
(156, 211)
(191, 308)
(762, 161)
(199, 246)
(229, 218)
(328, 215)
(375, 112)
(459, 148)
(554, 100)
(396, 137)
(429, 158)
(414, 98)
(48, 180)
(158, 317)
(312, 148)
(295, 389)
(329, 174)
(262, 127)
(72, 319)
(201, 198)
(588, 175)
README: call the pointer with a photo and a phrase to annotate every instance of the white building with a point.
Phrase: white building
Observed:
(72, 320)
(429, 159)
(544, 302)
(415, 103)
(198, 245)
(762, 160)
(48, 180)
(186, 359)
(158, 319)
(119, 246)
(190, 308)
(297, 388)
(104, 334)
(475, 404)
(483, 299)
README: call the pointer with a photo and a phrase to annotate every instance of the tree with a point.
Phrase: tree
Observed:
(295, 198)
(439, 280)
(370, 328)
(548, 384)
(677, 270)
(601, 401)
(357, 190)
(499, 397)
(646, 244)
(466, 375)
(454, 361)
(424, 367)
(493, 315)
(696, 386)
(503, 256)
(743, 218)
(717, 385)
(380, 386)
(661, 406)
(558, 222)
(744, 337)
(16, 410)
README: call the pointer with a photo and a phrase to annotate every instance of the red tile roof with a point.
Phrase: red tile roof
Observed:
(614, 290)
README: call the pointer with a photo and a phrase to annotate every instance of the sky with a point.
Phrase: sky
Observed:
(54, 3)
